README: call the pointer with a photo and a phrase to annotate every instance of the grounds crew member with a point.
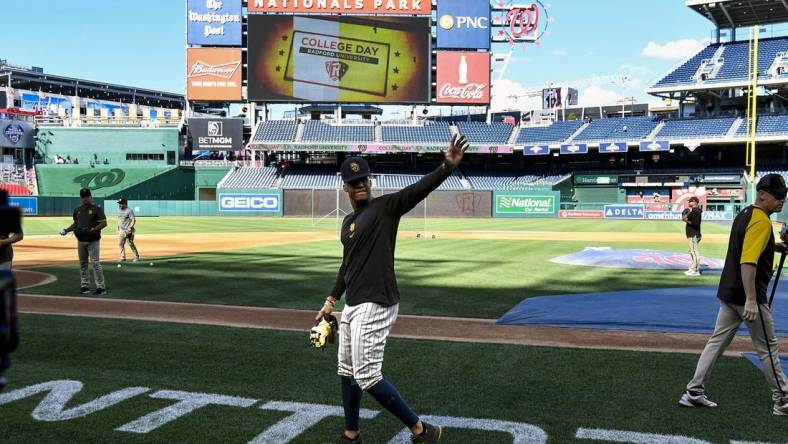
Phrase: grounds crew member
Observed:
(742, 293)
(367, 277)
(692, 218)
(126, 230)
(89, 220)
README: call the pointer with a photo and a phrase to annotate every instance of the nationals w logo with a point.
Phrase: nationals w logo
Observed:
(336, 70)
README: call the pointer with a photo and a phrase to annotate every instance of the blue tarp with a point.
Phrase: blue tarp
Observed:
(675, 310)
(756, 361)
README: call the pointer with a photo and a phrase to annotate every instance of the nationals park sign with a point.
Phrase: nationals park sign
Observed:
(525, 204)
(170, 406)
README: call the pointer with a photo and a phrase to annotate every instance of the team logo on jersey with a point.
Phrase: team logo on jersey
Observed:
(354, 167)
(352, 227)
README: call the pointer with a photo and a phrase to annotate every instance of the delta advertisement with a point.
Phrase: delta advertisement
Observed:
(214, 22)
(410, 7)
(347, 59)
(464, 24)
(213, 74)
(463, 77)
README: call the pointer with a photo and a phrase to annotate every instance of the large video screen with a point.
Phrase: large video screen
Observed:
(339, 60)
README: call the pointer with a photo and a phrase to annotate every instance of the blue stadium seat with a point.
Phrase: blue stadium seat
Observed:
(275, 131)
(431, 132)
(613, 129)
(767, 126)
(317, 131)
(695, 128)
(557, 132)
(249, 177)
(481, 133)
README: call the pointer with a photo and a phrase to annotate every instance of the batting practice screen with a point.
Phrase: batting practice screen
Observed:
(349, 59)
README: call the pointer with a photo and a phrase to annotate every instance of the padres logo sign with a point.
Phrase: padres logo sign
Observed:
(105, 179)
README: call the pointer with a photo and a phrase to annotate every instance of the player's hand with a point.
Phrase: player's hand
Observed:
(751, 310)
(63, 232)
(781, 247)
(326, 310)
(459, 144)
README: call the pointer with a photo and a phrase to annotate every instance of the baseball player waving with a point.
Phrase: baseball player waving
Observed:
(367, 278)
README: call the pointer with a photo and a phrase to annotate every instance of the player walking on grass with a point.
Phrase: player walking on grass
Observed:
(126, 230)
(89, 220)
(367, 277)
(692, 218)
(742, 293)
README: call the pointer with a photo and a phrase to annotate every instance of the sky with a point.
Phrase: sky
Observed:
(141, 43)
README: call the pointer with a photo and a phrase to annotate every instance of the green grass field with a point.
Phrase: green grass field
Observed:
(557, 390)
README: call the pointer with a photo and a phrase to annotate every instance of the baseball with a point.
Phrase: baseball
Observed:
(151, 264)
(119, 265)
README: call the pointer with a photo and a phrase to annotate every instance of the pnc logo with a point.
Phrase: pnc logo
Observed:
(449, 22)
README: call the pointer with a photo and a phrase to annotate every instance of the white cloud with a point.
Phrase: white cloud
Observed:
(509, 94)
(595, 95)
(677, 49)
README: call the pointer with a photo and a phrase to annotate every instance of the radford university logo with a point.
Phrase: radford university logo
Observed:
(336, 70)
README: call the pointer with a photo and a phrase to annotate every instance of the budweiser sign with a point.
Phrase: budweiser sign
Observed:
(224, 71)
(463, 77)
(213, 74)
(469, 92)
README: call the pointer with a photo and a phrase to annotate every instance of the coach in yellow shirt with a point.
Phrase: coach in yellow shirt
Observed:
(745, 278)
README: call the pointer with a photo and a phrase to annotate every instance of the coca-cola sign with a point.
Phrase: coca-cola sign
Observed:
(463, 77)
(213, 74)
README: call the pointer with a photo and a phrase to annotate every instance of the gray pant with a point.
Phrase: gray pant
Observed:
(362, 339)
(694, 252)
(89, 252)
(729, 318)
(122, 243)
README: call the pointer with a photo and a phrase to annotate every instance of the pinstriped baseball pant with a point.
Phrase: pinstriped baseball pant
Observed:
(362, 339)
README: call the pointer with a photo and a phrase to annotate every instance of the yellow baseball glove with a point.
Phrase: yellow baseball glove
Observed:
(324, 333)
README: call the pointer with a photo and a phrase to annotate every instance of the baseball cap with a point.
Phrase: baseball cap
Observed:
(354, 168)
(85, 192)
(773, 184)
(123, 200)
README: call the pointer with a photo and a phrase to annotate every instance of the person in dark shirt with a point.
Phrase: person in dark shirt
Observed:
(742, 293)
(367, 278)
(89, 220)
(692, 218)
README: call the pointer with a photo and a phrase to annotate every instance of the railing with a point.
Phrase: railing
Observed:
(107, 122)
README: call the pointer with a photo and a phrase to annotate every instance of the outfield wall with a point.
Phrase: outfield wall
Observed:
(120, 146)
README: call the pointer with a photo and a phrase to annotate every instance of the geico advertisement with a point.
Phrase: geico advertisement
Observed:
(249, 202)
(293, 58)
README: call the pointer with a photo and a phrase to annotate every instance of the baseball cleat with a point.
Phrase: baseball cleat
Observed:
(136, 259)
(430, 435)
(84, 290)
(100, 291)
(699, 400)
(780, 409)
(345, 440)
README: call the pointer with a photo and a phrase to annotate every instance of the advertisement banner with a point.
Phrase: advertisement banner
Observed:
(360, 7)
(581, 214)
(681, 197)
(216, 134)
(624, 211)
(463, 77)
(718, 215)
(380, 148)
(663, 215)
(464, 24)
(596, 180)
(613, 147)
(29, 205)
(654, 146)
(525, 204)
(346, 59)
(213, 74)
(575, 148)
(16, 134)
(536, 150)
(725, 193)
(213, 22)
(45, 103)
(263, 202)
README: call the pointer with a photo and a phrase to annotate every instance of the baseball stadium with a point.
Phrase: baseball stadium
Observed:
(552, 283)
